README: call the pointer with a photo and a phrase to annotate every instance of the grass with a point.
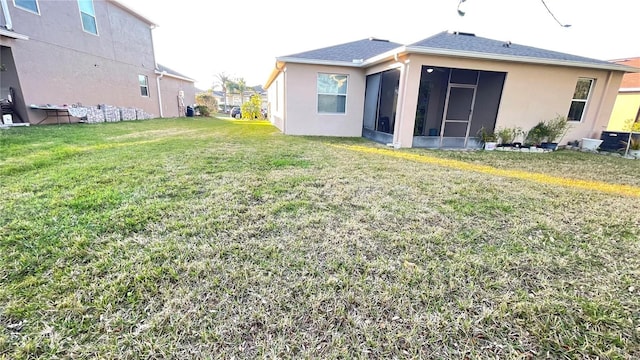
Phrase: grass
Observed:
(202, 238)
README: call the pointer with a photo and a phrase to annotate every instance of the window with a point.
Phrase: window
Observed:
(29, 5)
(144, 85)
(580, 98)
(332, 93)
(88, 16)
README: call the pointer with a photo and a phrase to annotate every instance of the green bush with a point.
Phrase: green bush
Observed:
(537, 134)
(556, 128)
(508, 135)
(203, 110)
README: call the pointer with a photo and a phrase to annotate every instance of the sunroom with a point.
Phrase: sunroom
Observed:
(453, 105)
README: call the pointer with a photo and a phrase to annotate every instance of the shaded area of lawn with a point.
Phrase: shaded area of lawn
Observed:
(199, 238)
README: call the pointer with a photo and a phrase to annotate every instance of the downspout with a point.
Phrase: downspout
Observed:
(7, 16)
(599, 109)
(159, 93)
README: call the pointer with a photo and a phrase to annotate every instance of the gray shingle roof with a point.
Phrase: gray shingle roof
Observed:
(361, 49)
(469, 43)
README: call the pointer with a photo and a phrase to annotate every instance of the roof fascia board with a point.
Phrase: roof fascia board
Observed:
(522, 59)
(274, 74)
(384, 56)
(163, 73)
(318, 62)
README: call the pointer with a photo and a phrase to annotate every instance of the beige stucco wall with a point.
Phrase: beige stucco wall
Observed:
(63, 64)
(169, 89)
(301, 115)
(531, 93)
(276, 98)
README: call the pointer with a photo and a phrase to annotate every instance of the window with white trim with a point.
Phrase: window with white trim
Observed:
(580, 99)
(144, 85)
(29, 5)
(88, 16)
(332, 93)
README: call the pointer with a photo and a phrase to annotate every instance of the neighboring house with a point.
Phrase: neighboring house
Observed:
(84, 51)
(627, 107)
(234, 99)
(172, 85)
(439, 91)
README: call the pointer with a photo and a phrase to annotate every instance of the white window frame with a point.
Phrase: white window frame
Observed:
(346, 92)
(95, 18)
(37, 12)
(146, 86)
(585, 101)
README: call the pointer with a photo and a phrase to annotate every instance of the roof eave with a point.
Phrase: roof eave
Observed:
(281, 62)
(521, 59)
(165, 73)
(384, 56)
(318, 61)
(13, 35)
(274, 74)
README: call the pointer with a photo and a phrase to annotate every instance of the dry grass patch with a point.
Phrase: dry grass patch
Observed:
(243, 243)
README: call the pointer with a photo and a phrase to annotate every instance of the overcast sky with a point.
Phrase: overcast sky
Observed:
(201, 38)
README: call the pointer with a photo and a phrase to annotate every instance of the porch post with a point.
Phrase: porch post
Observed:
(407, 102)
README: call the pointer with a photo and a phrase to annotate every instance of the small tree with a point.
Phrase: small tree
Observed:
(223, 80)
(251, 109)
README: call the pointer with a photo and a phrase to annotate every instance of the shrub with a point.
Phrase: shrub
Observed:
(203, 110)
(556, 128)
(486, 136)
(508, 135)
(537, 134)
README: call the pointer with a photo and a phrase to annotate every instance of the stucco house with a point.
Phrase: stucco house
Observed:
(626, 110)
(83, 51)
(171, 85)
(438, 92)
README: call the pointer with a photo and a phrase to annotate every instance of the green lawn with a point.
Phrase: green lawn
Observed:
(201, 238)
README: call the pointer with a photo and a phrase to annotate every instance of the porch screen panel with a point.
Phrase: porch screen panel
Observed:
(371, 101)
(464, 76)
(460, 102)
(455, 129)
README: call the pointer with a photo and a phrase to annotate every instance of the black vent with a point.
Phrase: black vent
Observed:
(376, 39)
(463, 33)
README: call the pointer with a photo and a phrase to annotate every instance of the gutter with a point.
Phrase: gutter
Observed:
(165, 73)
(521, 59)
(319, 62)
(394, 53)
